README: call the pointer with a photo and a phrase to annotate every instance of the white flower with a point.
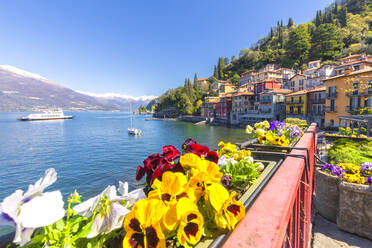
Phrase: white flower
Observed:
(260, 132)
(222, 161)
(32, 209)
(108, 207)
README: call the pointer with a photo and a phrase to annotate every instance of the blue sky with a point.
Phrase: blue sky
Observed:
(135, 47)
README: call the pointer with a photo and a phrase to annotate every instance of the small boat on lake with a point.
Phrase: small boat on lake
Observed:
(50, 114)
(132, 130)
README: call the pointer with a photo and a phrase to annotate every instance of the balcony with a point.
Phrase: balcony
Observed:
(265, 111)
(328, 109)
(252, 111)
(352, 93)
(332, 95)
(317, 100)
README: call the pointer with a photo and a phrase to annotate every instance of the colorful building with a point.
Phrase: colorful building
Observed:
(296, 104)
(353, 63)
(346, 94)
(316, 106)
(297, 82)
(223, 109)
(242, 103)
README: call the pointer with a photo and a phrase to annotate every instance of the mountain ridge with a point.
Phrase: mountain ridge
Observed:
(21, 90)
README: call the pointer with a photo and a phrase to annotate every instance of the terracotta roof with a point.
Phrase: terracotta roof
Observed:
(282, 91)
(201, 79)
(311, 62)
(352, 56)
(247, 72)
(354, 62)
(227, 95)
(297, 75)
(323, 88)
(350, 74)
(301, 92)
(244, 94)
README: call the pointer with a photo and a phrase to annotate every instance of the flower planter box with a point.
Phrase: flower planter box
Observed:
(326, 194)
(247, 198)
(355, 209)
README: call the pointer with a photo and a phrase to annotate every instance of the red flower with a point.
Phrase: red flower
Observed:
(151, 161)
(170, 153)
(186, 147)
(212, 156)
(199, 149)
(140, 172)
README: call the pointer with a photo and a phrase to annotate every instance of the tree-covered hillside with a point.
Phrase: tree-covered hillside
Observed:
(342, 28)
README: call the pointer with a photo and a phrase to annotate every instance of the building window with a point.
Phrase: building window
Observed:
(292, 99)
(370, 87)
(300, 99)
(355, 88)
(356, 67)
(291, 109)
(299, 110)
(332, 122)
(332, 107)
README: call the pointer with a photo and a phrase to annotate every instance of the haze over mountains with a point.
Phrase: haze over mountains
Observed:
(25, 91)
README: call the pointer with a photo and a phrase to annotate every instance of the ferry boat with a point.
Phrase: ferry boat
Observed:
(50, 114)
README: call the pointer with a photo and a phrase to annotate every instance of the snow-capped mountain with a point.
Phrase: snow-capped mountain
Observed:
(21, 90)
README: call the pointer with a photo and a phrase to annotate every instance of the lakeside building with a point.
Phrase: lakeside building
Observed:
(242, 103)
(353, 63)
(222, 87)
(296, 104)
(223, 109)
(271, 107)
(246, 77)
(208, 110)
(297, 82)
(316, 74)
(345, 94)
(203, 85)
(316, 106)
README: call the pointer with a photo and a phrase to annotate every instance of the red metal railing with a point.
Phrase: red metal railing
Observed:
(281, 214)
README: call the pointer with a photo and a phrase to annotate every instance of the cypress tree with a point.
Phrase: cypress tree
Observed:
(290, 22)
(195, 78)
(318, 19)
(220, 67)
(343, 16)
(215, 73)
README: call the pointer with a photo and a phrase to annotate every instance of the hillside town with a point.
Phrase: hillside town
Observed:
(320, 93)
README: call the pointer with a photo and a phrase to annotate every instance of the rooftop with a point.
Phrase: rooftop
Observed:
(280, 91)
(350, 74)
(318, 89)
(301, 92)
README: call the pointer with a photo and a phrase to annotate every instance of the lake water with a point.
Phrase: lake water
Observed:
(91, 151)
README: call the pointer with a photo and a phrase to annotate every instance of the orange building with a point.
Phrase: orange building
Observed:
(347, 93)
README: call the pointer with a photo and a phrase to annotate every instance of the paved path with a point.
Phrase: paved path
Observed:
(327, 235)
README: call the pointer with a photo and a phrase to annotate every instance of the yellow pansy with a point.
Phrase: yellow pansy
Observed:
(191, 225)
(170, 190)
(260, 132)
(226, 148)
(190, 160)
(226, 207)
(266, 124)
(202, 179)
(142, 225)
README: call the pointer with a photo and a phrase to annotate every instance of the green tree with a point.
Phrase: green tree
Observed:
(220, 66)
(142, 109)
(326, 42)
(298, 45)
(318, 18)
(243, 52)
(215, 73)
(235, 79)
(195, 78)
(343, 16)
(290, 22)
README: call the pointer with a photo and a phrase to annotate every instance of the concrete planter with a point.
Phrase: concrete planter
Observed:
(355, 209)
(326, 194)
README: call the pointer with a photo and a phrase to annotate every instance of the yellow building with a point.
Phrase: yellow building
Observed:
(296, 104)
(347, 94)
